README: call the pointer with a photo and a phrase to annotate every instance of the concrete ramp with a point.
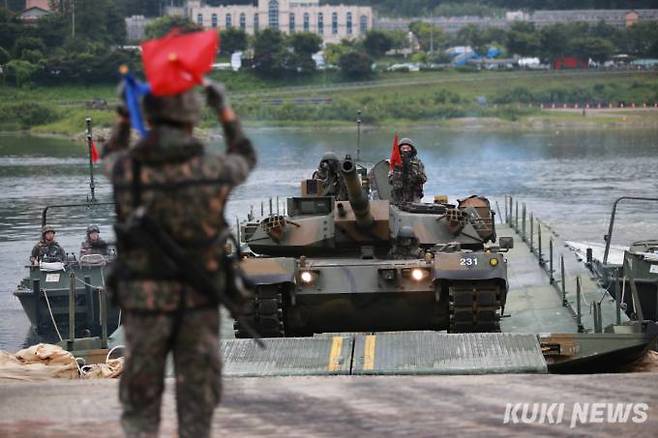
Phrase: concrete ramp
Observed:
(405, 353)
(288, 357)
(439, 353)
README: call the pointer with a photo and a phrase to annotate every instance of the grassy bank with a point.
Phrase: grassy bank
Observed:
(452, 99)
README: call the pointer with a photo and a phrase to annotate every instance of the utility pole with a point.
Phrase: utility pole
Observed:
(432, 32)
(73, 19)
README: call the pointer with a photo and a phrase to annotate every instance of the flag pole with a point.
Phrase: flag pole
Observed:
(90, 143)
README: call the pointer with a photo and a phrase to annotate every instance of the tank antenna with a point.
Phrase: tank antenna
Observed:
(358, 136)
(90, 142)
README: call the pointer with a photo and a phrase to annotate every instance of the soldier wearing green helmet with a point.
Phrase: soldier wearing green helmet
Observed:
(405, 245)
(47, 249)
(407, 179)
(330, 178)
(93, 244)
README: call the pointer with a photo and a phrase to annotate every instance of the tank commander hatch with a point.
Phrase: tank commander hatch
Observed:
(407, 179)
(47, 249)
(329, 177)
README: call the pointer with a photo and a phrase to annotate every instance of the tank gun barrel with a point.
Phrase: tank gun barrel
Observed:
(357, 197)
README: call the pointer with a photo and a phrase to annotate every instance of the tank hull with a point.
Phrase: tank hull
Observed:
(351, 295)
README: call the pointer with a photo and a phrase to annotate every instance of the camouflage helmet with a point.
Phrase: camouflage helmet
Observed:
(93, 229)
(408, 142)
(329, 156)
(406, 236)
(180, 108)
(47, 228)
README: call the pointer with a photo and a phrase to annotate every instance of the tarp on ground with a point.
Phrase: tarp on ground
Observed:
(39, 362)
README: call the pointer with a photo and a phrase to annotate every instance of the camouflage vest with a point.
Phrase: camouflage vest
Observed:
(183, 189)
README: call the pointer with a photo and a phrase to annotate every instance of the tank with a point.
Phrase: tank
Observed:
(365, 265)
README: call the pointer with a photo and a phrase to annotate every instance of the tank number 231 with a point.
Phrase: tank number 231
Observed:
(466, 261)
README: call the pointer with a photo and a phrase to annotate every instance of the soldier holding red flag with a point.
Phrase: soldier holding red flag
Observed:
(407, 175)
(182, 188)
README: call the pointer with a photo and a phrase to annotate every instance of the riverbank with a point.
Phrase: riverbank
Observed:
(484, 100)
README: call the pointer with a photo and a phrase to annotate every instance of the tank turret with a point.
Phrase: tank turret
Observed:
(356, 195)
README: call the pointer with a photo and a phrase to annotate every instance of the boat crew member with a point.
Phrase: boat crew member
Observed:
(330, 178)
(93, 244)
(408, 178)
(47, 249)
(183, 187)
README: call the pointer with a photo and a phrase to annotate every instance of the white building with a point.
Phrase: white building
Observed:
(332, 23)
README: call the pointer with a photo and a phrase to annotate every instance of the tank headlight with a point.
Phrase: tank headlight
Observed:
(417, 274)
(493, 262)
(306, 277)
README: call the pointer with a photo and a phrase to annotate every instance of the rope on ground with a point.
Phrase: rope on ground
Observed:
(112, 368)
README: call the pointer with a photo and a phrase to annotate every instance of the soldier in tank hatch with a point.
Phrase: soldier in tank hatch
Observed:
(172, 178)
(406, 245)
(408, 176)
(47, 249)
(330, 178)
(93, 244)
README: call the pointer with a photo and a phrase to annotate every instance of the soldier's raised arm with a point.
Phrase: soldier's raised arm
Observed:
(240, 153)
(120, 137)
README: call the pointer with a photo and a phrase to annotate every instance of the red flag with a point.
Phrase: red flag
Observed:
(396, 159)
(177, 62)
(94, 152)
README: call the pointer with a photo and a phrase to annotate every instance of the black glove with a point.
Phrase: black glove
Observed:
(123, 111)
(215, 95)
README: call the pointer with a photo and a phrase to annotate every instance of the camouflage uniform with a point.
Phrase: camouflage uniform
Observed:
(406, 246)
(47, 251)
(407, 180)
(184, 188)
(89, 247)
(329, 177)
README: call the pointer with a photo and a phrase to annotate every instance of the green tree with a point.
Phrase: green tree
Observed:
(598, 49)
(399, 39)
(643, 39)
(162, 26)
(21, 72)
(377, 43)
(428, 36)
(356, 65)
(553, 41)
(305, 43)
(477, 38)
(233, 40)
(28, 43)
(523, 39)
(270, 53)
(333, 52)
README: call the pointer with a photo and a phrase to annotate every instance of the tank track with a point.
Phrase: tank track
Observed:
(264, 313)
(474, 307)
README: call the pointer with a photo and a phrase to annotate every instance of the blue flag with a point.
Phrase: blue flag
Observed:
(134, 90)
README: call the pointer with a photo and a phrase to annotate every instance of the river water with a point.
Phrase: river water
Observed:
(569, 179)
